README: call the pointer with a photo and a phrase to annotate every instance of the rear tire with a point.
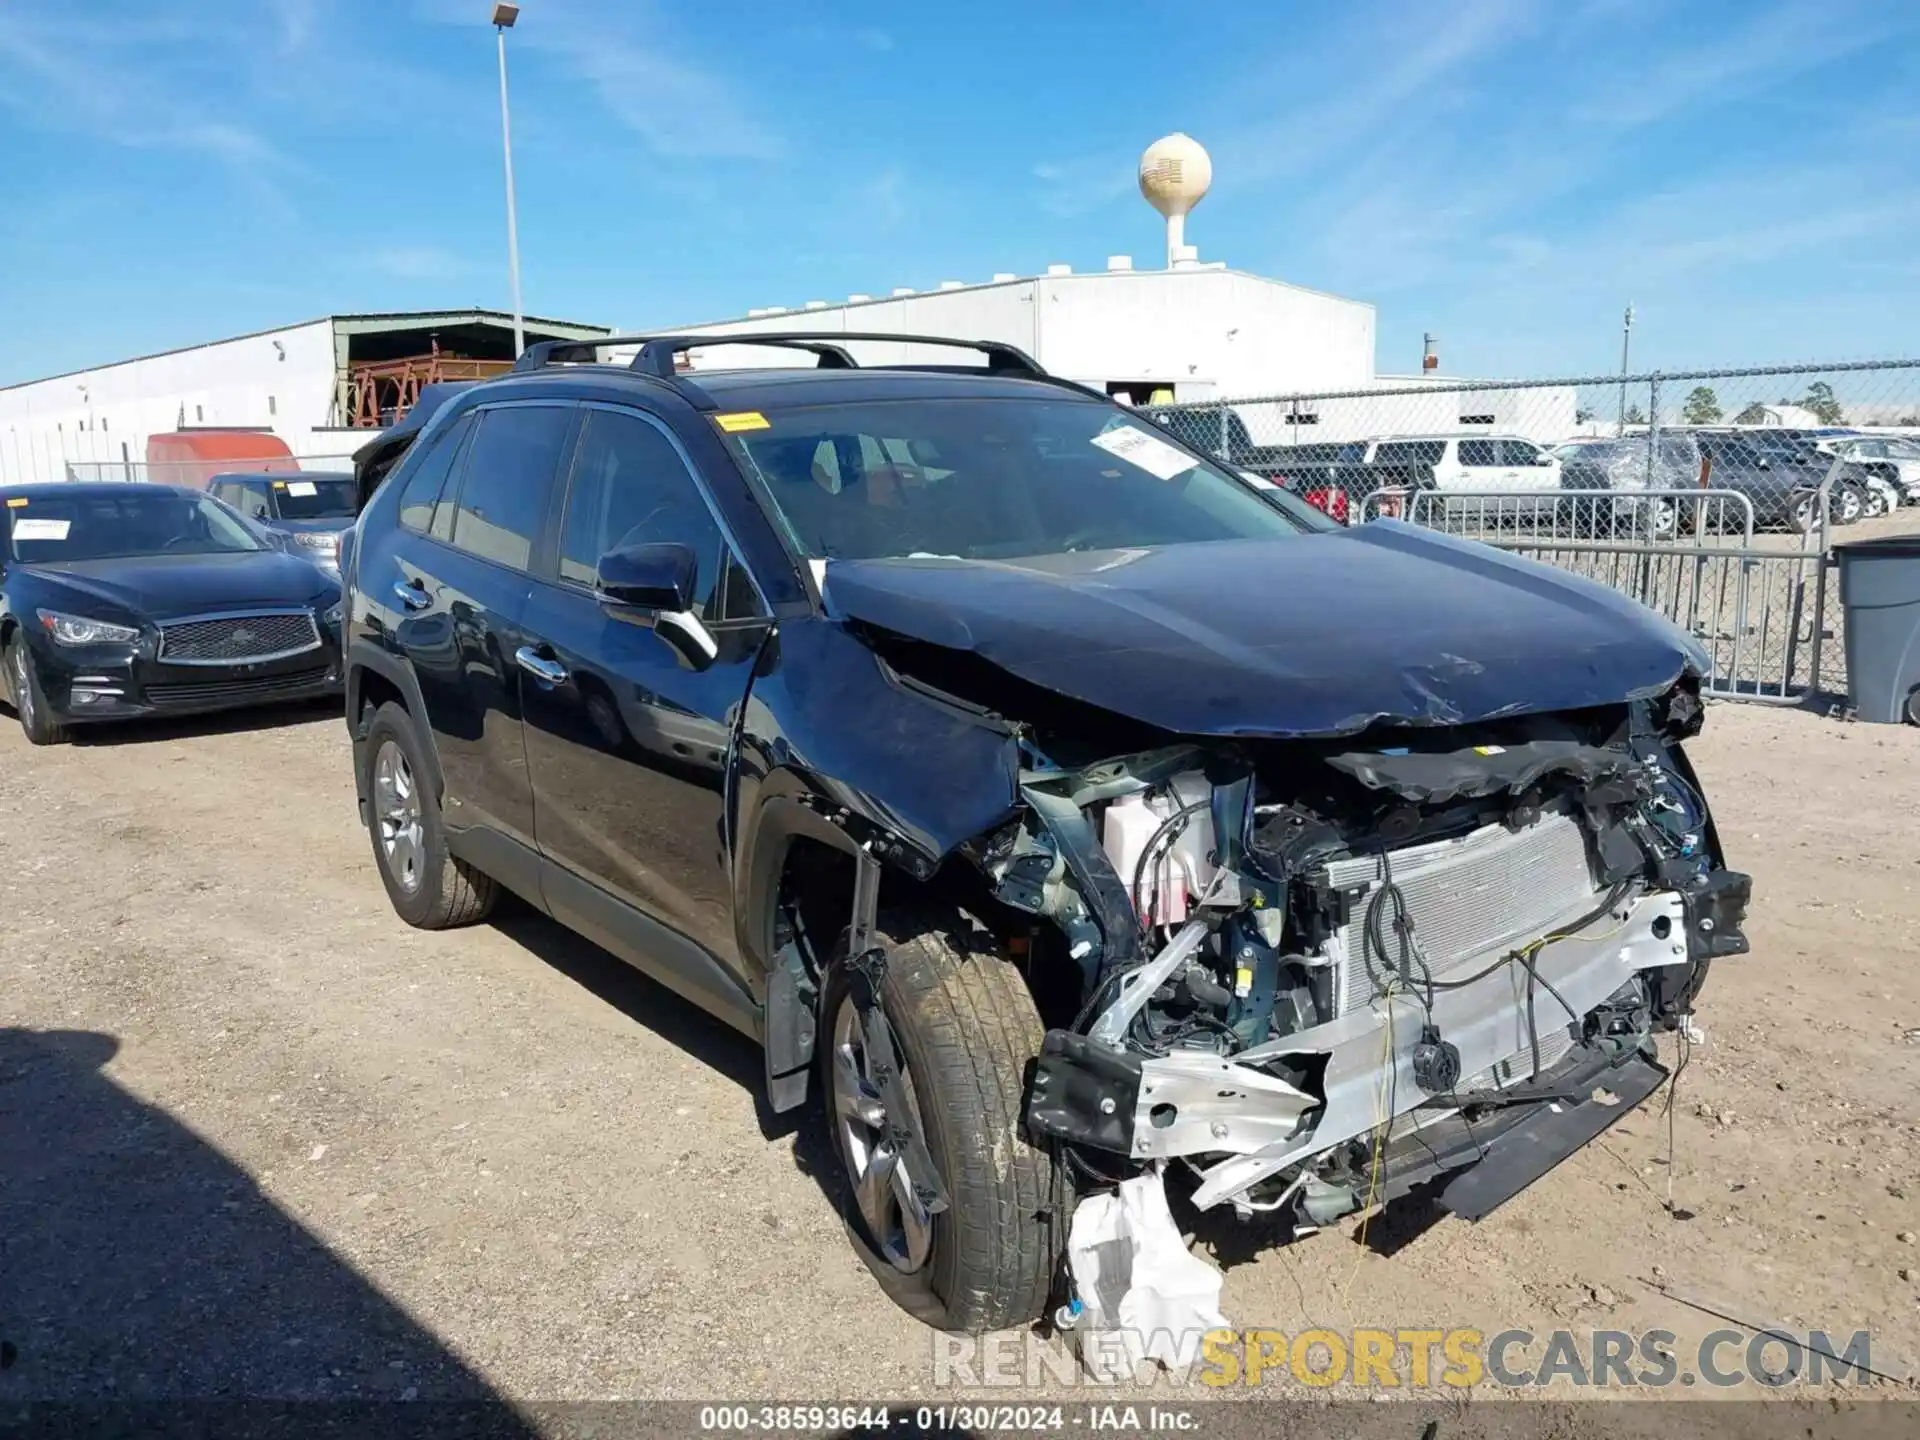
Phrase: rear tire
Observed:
(29, 700)
(1913, 706)
(968, 1034)
(429, 888)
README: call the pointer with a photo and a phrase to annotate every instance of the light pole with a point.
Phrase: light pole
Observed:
(1626, 341)
(503, 17)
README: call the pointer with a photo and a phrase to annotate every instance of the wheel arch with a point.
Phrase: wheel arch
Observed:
(374, 676)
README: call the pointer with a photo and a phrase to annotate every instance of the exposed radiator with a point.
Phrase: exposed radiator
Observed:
(1481, 892)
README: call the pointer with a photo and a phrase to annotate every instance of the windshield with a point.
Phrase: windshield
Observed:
(54, 529)
(312, 498)
(985, 479)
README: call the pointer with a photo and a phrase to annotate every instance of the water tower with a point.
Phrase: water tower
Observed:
(1174, 176)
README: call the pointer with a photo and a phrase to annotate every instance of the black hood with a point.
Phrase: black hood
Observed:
(1321, 635)
(158, 586)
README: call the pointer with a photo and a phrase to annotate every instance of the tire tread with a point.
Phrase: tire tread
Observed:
(973, 1024)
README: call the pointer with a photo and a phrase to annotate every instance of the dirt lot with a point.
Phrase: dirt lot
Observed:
(258, 1137)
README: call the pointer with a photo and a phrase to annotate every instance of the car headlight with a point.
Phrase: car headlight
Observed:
(328, 540)
(335, 614)
(79, 630)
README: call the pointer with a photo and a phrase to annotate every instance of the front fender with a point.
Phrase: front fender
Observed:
(832, 747)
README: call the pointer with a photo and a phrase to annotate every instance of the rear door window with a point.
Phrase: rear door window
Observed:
(1479, 453)
(429, 477)
(508, 480)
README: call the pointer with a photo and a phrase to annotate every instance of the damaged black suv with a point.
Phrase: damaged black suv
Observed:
(1050, 801)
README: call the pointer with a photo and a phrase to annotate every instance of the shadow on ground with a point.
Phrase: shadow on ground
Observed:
(139, 1265)
(711, 1041)
(220, 722)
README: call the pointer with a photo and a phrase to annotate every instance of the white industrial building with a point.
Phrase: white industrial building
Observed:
(321, 387)
(1190, 331)
(1193, 332)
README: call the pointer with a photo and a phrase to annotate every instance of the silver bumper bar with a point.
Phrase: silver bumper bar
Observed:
(1194, 1104)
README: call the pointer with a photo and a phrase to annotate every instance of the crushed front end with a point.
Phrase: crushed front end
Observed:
(1321, 972)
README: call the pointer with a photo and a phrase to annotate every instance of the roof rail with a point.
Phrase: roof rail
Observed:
(658, 354)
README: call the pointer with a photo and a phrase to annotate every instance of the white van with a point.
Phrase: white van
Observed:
(1471, 464)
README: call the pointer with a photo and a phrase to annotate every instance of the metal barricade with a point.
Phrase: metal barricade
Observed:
(1756, 603)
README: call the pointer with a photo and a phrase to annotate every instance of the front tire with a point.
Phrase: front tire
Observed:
(968, 1034)
(429, 888)
(29, 700)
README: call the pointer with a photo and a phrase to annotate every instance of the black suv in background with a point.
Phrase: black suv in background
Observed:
(985, 754)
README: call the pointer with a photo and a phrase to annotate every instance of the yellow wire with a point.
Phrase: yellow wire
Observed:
(1383, 1120)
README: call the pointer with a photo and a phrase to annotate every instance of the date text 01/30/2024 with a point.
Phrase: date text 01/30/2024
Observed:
(935, 1419)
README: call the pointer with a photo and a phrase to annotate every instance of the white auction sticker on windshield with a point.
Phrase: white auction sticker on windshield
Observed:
(1149, 452)
(25, 529)
(303, 488)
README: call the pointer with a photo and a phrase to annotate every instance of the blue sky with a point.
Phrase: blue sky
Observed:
(1506, 173)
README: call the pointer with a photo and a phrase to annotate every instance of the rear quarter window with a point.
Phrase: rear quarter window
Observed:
(1410, 452)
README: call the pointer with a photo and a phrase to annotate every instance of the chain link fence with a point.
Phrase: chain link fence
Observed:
(1713, 497)
(199, 472)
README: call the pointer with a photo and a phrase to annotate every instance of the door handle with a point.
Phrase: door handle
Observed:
(412, 594)
(541, 667)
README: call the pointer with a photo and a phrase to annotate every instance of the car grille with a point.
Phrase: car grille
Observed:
(238, 639)
(1486, 890)
(198, 695)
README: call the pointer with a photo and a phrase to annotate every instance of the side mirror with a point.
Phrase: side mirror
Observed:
(1543, 458)
(648, 577)
(659, 579)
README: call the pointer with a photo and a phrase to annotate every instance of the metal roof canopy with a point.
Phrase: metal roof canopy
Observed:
(488, 333)
(371, 322)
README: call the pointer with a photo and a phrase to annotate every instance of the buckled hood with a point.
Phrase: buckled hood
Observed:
(1322, 635)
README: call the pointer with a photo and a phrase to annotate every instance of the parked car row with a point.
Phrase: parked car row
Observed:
(1780, 472)
(1779, 477)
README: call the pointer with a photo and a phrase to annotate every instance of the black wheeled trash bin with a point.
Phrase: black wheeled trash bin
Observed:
(1880, 595)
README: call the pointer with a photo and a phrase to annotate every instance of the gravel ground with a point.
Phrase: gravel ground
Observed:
(257, 1137)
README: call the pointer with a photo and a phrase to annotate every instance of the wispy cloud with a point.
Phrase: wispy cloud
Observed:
(628, 52)
(416, 263)
(1773, 45)
(873, 38)
(1080, 186)
(295, 19)
(78, 73)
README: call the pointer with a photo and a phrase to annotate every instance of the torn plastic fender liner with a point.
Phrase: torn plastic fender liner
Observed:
(1233, 637)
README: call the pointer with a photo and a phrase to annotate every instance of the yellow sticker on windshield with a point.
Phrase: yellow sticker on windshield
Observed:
(16, 502)
(740, 420)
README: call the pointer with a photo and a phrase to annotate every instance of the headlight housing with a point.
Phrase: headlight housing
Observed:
(335, 614)
(79, 630)
(328, 540)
